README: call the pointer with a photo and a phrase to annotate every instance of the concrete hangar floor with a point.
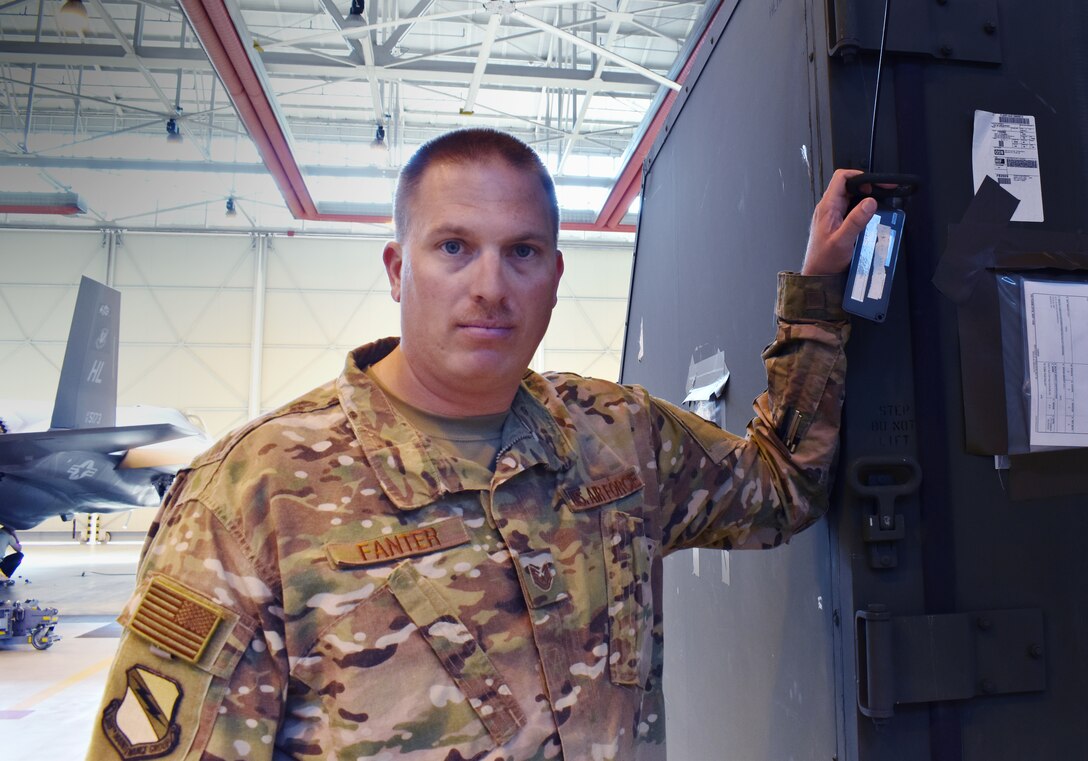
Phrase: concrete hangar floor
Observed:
(49, 698)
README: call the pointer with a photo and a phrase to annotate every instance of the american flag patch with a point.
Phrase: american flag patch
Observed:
(175, 620)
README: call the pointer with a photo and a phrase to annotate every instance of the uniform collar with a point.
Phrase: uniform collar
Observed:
(412, 471)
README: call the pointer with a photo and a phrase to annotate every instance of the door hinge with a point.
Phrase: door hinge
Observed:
(946, 30)
(923, 659)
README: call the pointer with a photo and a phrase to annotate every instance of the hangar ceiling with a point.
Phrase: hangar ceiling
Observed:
(296, 114)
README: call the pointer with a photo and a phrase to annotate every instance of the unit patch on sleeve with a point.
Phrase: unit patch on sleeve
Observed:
(422, 540)
(603, 491)
(141, 724)
(175, 619)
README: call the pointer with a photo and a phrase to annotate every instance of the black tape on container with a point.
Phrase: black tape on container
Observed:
(984, 261)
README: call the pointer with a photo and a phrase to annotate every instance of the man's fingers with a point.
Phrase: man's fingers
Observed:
(835, 227)
(857, 219)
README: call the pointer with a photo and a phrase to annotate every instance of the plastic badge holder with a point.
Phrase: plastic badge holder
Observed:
(872, 270)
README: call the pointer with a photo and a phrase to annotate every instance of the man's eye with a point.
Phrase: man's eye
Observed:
(524, 251)
(452, 247)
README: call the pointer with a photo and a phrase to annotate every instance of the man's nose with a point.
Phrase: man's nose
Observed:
(488, 276)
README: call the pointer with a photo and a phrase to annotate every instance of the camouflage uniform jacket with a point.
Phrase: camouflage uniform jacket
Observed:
(325, 584)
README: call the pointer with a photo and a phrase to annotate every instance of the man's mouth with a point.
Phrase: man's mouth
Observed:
(486, 328)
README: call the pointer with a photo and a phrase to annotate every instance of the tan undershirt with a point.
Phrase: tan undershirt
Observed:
(475, 438)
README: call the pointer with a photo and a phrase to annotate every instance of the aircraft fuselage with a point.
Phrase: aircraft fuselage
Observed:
(70, 482)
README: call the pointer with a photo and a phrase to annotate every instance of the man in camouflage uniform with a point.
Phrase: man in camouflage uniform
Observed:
(442, 556)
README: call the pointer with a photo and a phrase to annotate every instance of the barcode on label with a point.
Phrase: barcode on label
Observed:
(1009, 119)
(1024, 163)
(1004, 181)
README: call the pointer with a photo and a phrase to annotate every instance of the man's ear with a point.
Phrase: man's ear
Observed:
(393, 257)
(558, 274)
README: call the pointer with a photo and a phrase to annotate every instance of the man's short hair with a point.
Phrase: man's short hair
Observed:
(477, 144)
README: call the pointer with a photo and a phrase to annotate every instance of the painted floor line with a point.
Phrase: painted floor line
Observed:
(62, 685)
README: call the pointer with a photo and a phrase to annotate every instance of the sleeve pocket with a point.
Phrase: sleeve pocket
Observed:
(459, 652)
(629, 561)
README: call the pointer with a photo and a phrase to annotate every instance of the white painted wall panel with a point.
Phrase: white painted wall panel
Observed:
(187, 306)
(37, 296)
(187, 324)
(187, 314)
(325, 296)
(163, 259)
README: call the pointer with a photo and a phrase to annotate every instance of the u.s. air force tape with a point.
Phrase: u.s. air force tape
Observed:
(382, 548)
(603, 491)
(176, 619)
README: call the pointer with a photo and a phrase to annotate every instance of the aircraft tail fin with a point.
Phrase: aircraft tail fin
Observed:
(87, 392)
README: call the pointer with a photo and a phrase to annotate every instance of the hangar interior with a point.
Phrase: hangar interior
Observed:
(228, 167)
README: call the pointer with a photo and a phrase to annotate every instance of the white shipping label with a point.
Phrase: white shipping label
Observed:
(1006, 148)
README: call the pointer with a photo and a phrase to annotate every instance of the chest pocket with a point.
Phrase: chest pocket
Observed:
(628, 564)
(459, 652)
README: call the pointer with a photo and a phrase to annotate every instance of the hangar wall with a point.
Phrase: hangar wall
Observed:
(188, 304)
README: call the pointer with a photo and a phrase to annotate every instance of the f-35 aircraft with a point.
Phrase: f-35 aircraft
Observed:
(89, 456)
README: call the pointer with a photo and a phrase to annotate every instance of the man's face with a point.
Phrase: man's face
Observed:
(476, 275)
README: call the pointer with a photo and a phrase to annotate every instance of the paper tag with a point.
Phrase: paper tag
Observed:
(1006, 148)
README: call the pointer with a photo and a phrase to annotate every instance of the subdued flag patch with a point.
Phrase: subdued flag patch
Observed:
(141, 724)
(175, 620)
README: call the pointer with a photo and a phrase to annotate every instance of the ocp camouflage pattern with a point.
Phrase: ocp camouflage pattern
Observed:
(535, 632)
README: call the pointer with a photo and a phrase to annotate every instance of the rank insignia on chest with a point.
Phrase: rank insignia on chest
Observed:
(541, 579)
(384, 548)
(542, 575)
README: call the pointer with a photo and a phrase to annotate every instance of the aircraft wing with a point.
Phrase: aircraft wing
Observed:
(20, 448)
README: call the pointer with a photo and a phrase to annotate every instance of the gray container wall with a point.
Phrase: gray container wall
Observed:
(762, 667)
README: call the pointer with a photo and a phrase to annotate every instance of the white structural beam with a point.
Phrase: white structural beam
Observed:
(311, 67)
(481, 62)
(365, 47)
(576, 132)
(130, 55)
(574, 39)
(394, 23)
(261, 245)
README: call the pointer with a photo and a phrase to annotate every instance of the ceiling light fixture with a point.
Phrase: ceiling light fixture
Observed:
(73, 17)
(173, 131)
(378, 143)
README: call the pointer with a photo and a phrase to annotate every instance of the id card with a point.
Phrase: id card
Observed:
(869, 285)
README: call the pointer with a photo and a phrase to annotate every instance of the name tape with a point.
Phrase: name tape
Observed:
(446, 533)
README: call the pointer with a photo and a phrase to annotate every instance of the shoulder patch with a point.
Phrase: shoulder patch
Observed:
(176, 619)
(141, 724)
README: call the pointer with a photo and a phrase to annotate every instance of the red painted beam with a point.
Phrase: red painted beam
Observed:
(222, 42)
(33, 209)
(595, 227)
(629, 183)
